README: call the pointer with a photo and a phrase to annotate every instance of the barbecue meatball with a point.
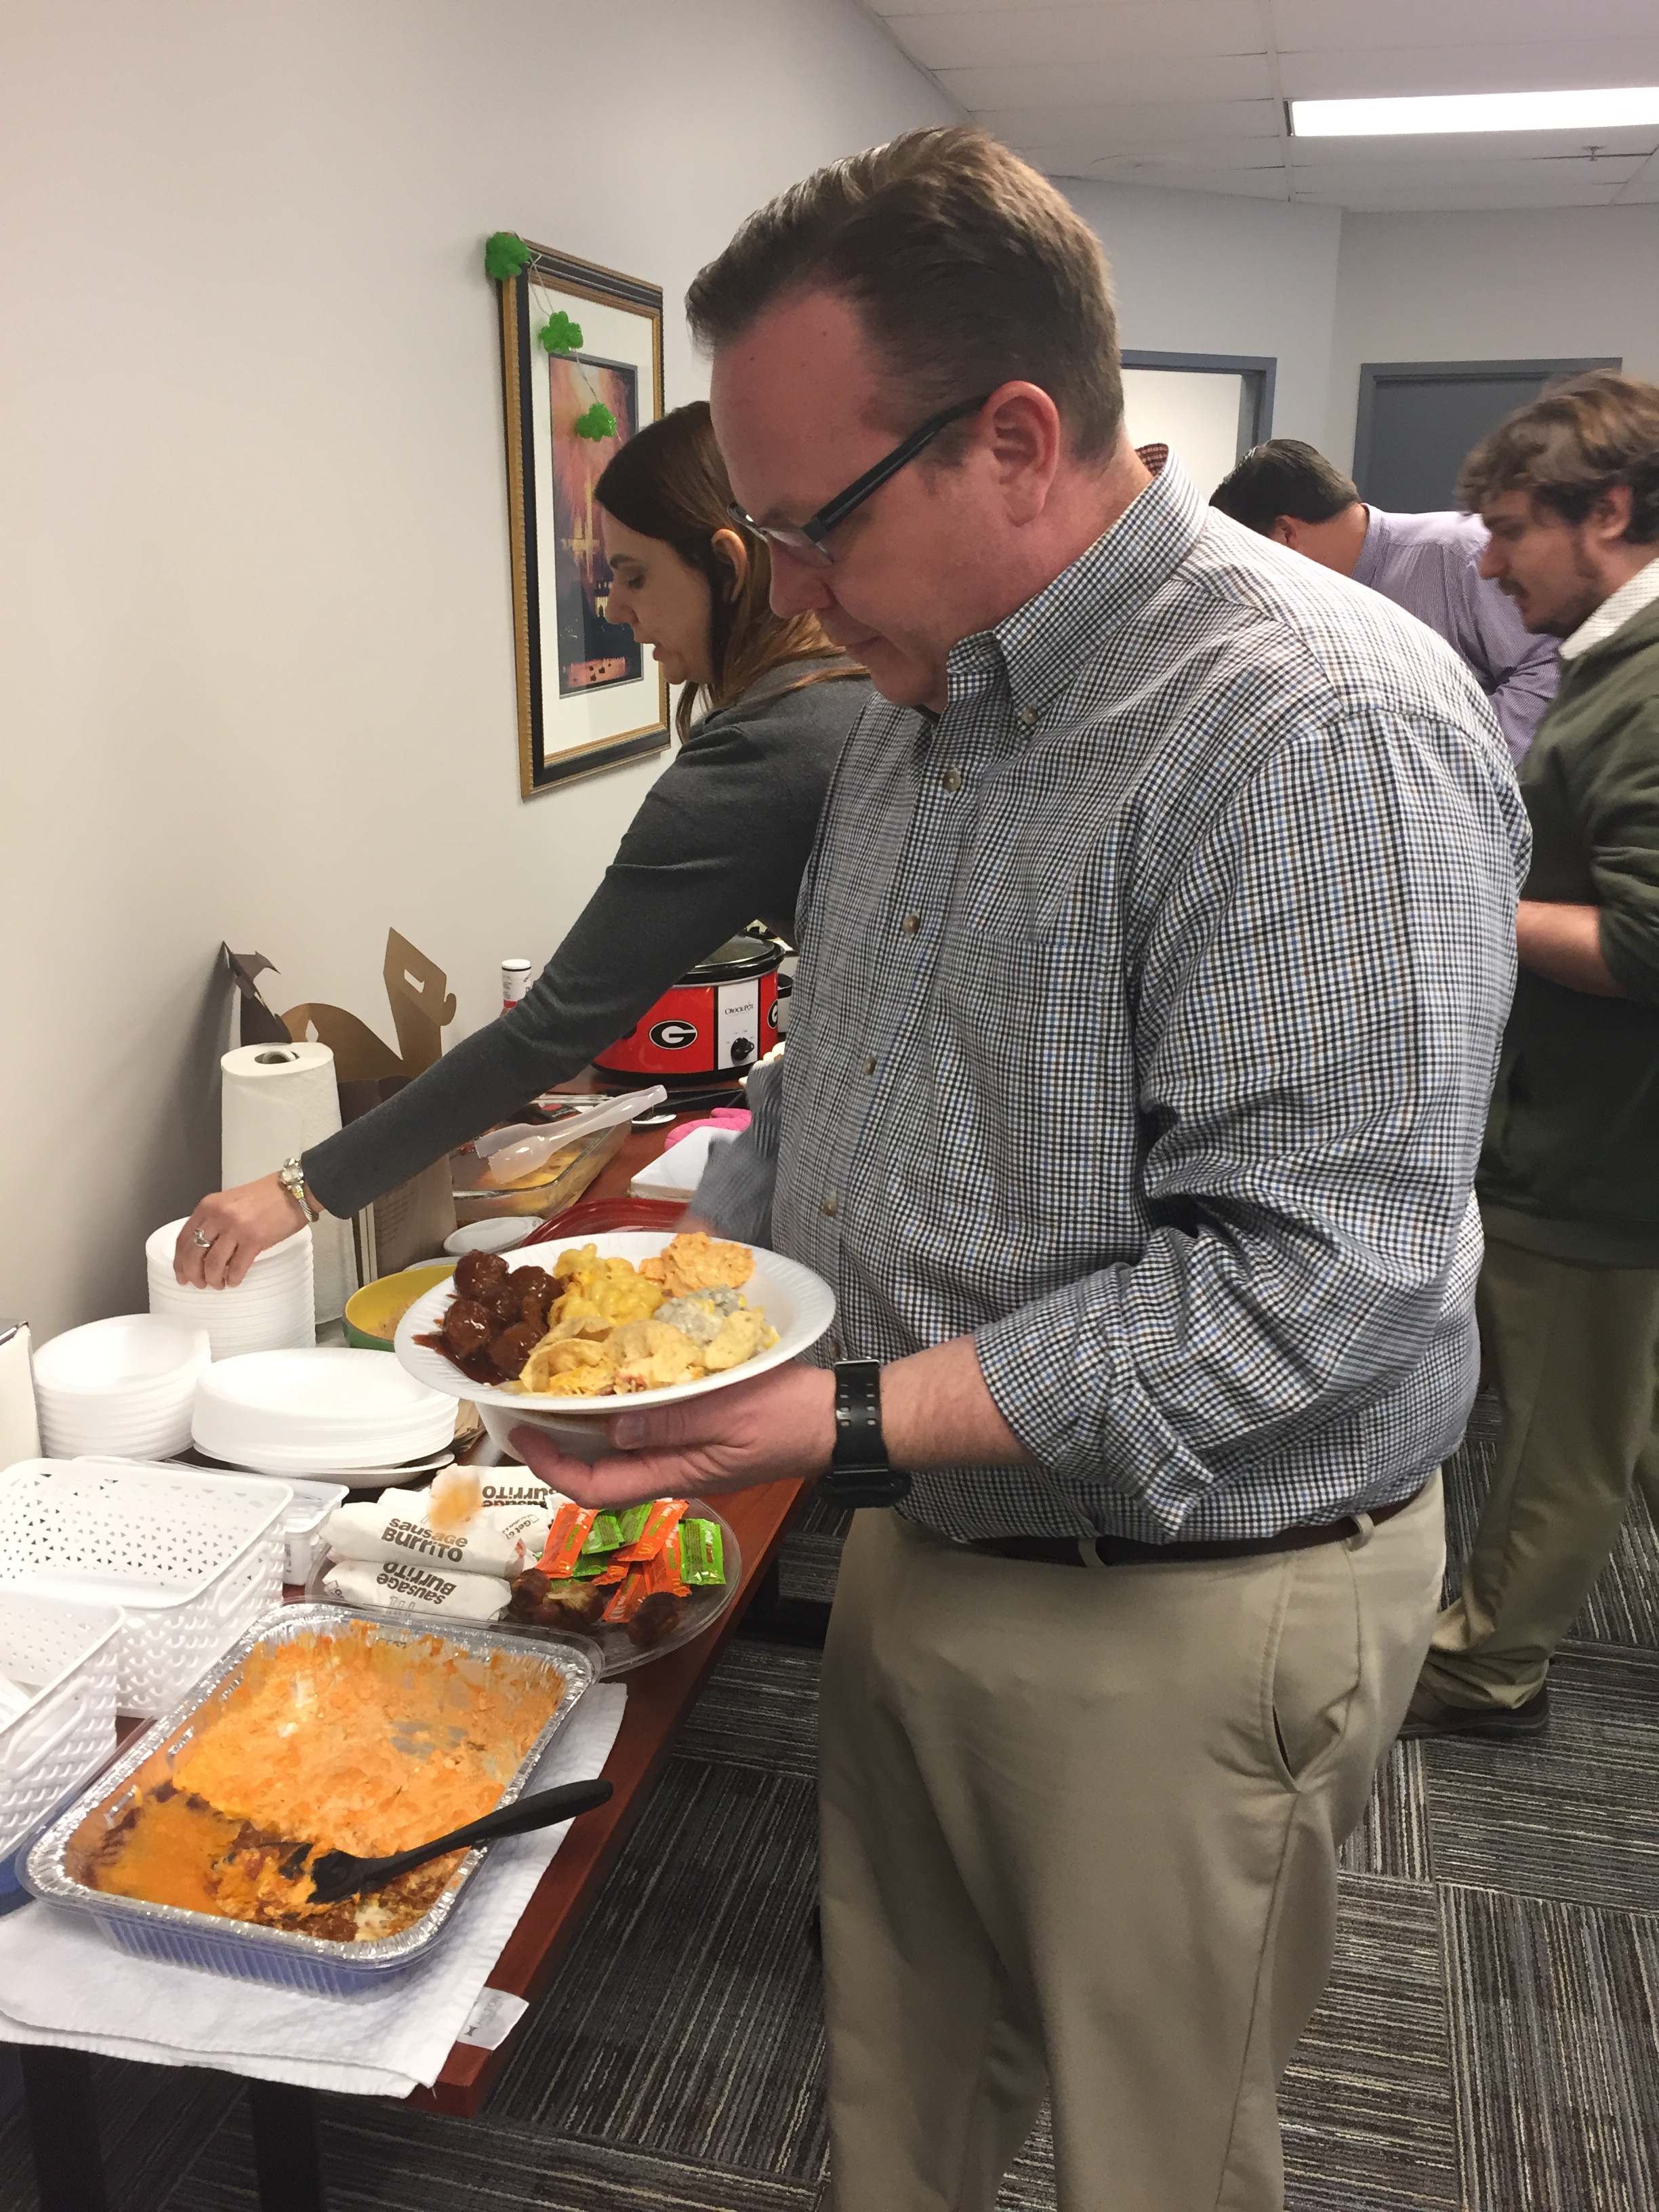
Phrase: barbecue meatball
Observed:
(502, 1302)
(509, 1350)
(535, 1287)
(659, 1615)
(467, 1327)
(475, 1270)
(550, 1604)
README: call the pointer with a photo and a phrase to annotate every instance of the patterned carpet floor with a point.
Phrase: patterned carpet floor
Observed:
(1489, 2041)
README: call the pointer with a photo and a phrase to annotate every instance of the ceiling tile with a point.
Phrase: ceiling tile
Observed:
(1431, 176)
(988, 38)
(1219, 77)
(1405, 199)
(1341, 25)
(1115, 125)
(1266, 184)
(892, 11)
(1084, 153)
(1179, 92)
(1410, 154)
(1643, 187)
(1542, 67)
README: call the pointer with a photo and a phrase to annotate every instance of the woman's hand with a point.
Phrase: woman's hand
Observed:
(235, 1226)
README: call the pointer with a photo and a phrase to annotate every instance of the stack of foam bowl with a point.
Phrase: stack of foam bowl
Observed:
(321, 1411)
(124, 1388)
(270, 1309)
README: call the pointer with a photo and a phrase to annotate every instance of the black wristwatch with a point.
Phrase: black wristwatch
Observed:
(860, 1472)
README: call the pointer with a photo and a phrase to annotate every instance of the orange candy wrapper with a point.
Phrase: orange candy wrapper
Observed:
(663, 1573)
(629, 1597)
(572, 1527)
(664, 1517)
(645, 1579)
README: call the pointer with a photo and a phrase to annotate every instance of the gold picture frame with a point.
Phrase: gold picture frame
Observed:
(589, 698)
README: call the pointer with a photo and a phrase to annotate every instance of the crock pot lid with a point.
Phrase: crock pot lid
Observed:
(737, 956)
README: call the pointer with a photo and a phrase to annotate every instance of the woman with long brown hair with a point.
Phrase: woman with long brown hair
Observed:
(720, 841)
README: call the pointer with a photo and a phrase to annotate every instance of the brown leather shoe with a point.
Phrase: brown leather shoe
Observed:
(1428, 1714)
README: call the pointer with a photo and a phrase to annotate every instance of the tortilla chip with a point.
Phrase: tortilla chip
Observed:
(570, 1367)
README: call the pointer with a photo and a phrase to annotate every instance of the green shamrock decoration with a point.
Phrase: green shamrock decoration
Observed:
(560, 334)
(505, 255)
(597, 422)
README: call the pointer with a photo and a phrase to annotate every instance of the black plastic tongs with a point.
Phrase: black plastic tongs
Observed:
(338, 1874)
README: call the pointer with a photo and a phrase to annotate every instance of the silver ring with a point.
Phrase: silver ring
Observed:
(202, 1241)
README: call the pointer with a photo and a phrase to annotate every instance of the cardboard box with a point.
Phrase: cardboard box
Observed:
(412, 1222)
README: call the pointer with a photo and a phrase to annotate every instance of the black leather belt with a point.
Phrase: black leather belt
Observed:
(1129, 1552)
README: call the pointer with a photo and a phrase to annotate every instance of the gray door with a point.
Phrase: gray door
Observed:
(1419, 418)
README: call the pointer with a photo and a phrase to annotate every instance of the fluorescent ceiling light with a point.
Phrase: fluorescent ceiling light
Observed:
(1621, 107)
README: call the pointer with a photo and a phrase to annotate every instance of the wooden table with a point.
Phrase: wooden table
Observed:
(287, 2152)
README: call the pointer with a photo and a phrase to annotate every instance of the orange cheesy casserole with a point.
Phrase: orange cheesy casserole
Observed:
(343, 1740)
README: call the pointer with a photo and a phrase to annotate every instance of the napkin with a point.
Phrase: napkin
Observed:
(676, 1173)
(61, 1982)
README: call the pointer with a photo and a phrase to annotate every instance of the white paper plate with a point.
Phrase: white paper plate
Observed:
(498, 1233)
(361, 1477)
(800, 1305)
(135, 1355)
(324, 1406)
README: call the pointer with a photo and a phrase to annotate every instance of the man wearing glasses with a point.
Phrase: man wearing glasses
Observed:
(1157, 944)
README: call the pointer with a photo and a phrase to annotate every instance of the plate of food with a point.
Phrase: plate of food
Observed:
(552, 1336)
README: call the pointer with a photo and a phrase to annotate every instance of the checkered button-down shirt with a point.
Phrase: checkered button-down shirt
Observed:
(1149, 1002)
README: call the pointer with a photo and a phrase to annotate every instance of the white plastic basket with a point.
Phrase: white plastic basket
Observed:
(67, 1730)
(192, 1560)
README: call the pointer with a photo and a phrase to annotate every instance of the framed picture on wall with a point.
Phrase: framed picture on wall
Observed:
(582, 367)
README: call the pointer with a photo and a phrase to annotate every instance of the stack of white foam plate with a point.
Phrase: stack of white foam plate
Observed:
(322, 1411)
(123, 1389)
(270, 1309)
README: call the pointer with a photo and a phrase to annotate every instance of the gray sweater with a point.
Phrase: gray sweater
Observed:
(721, 840)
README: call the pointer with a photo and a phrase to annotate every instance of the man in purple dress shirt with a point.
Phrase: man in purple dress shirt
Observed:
(1427, 563)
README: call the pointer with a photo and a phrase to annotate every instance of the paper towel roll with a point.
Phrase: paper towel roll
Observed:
(277, 1100)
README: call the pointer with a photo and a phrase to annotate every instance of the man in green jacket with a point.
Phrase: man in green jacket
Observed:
(1568, 1177)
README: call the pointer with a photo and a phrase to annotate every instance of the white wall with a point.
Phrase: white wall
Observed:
(255, 632)
(1533, 284)
(1197, 272)
(1196, 413)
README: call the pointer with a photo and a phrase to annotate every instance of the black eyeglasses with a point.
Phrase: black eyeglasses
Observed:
(804, 540)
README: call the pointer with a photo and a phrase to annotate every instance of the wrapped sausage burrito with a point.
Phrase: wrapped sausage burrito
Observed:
(411, 1586)
(401, 1530)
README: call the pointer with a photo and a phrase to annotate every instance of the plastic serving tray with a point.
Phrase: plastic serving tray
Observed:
(192, 1559)
(610, 1645)
(67, 1731)
(278, 1955)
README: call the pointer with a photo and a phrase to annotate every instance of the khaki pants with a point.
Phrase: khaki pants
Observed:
(1572, 1352)
(1080, 1833)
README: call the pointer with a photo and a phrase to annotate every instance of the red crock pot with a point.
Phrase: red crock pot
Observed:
(717, 1020)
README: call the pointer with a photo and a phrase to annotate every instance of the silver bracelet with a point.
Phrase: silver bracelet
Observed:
(292, 1177)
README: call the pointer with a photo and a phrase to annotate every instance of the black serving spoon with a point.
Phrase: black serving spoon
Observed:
(338, 1874)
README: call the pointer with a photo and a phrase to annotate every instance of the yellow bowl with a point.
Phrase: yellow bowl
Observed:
(372, 1314)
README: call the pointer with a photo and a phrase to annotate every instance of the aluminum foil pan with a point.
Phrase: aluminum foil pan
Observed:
(280, 1956)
